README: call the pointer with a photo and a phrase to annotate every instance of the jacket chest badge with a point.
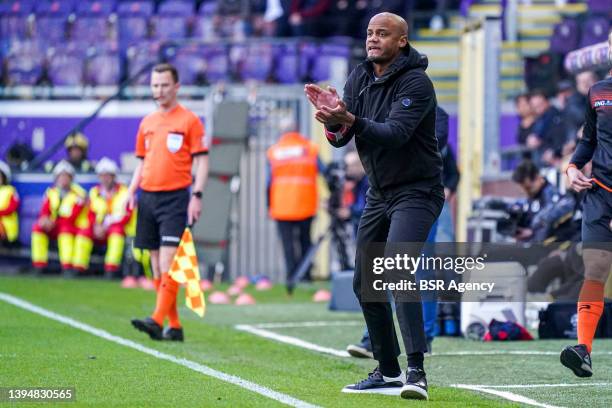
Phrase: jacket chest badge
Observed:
(406, 102)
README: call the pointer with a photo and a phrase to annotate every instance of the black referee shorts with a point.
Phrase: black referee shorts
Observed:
(162, 217)
(596, 216)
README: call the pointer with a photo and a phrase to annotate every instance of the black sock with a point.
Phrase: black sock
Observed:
(390, 368)
(415, 360)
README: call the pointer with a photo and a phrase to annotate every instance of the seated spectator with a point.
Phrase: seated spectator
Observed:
(399, 7)
(577, 102)
(565, 89)
(305, 18)
(109, 215)
(63, 216)
(342, 17)
(549, 130)
(259, 26)
(230, 19)
(9, 203)
(527, 118)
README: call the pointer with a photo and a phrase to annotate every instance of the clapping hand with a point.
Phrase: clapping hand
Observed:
(331, 110)
(320, 97)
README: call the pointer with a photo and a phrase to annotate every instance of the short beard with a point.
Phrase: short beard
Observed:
(377, 60)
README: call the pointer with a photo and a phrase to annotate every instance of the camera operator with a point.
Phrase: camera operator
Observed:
(545, 211)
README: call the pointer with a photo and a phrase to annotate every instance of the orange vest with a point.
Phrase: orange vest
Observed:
(293, 190)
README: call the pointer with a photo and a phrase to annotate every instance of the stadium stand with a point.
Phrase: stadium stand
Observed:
(542, 25)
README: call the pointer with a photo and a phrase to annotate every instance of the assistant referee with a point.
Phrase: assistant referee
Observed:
(169, 141)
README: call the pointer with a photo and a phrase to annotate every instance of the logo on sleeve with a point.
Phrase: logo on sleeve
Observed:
(602, 102)
(406, 102)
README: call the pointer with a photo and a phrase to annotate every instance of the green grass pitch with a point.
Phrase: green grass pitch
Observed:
(36, 351)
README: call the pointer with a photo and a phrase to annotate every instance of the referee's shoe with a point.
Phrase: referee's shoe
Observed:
(148, 326)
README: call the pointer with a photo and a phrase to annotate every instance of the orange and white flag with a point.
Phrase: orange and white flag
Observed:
(185, 270)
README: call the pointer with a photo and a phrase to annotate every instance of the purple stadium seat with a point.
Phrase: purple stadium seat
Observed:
(191, 65)
(256, 62)
(595, 30)
(177, 7)
(14, 17)
(203, 22)
(203, 28)
(321, 68)
(24, 62)
(93, 21)
(565, 36)
(599, 6)
(133, 19)
(308, 54)
(217, 62)
(28, 214)
(138, 55)
(208, 8)
(286, 64)
(103, 66)
(173, 19)
(66, 65)
(52, 20)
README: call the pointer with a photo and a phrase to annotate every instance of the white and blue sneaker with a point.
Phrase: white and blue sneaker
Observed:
(361, 350)
(377, 383)
(416, 385)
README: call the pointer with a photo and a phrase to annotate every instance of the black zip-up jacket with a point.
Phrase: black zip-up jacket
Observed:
(394, 125)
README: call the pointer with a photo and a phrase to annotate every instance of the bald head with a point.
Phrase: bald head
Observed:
(395, 22)
(387, 36)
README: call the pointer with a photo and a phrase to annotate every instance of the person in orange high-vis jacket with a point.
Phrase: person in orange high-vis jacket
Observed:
(63, 216)
(9, 203)
(109, 214)
(293, 196)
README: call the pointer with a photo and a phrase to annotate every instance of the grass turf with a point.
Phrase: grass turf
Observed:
(36, 351)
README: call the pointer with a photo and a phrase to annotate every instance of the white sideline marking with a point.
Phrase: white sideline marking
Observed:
(260, 330)
(294, 341)
(506, 395)
(285, 325)
(251, 386)
(512, 352)
(535, 385)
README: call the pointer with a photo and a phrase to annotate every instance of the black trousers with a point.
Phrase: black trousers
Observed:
(401, 216)
(295, 237)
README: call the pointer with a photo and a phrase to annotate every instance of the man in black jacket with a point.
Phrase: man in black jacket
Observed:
(389, 105)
